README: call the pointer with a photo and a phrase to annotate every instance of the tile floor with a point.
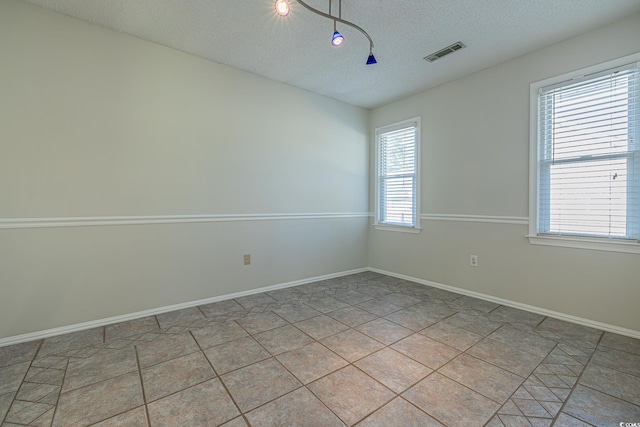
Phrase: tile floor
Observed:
(366, 350)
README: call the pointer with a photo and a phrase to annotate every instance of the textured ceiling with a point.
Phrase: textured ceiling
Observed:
(296, 50)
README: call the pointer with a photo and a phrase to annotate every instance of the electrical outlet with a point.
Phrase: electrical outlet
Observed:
(247, 259)
(474, 260)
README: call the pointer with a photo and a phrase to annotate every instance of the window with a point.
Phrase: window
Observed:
(397, 175)
(586, 149)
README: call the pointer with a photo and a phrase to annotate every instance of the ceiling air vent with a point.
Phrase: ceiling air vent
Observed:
(444, 52)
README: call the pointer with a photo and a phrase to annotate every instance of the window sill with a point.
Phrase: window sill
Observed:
(631, 247)
(399, 228)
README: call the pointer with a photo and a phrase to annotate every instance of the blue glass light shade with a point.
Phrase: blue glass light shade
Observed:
(371, 59)
(337, 39)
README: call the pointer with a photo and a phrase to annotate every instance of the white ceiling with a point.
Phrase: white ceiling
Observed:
(296, 50)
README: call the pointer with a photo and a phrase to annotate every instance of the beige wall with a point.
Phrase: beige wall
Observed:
(475, 142)
(94, 123)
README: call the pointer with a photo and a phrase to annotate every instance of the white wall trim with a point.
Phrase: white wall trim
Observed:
(531, 308)
(17, 339)
(500, 219)
(6, 223)
(610, 245)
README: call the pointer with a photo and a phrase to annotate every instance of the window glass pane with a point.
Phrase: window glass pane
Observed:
(587, 167)
(397, 169)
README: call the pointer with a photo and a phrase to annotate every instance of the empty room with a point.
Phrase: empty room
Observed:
(319, 213)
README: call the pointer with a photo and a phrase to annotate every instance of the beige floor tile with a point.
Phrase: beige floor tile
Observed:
(620, 342)
(451, 403)
(429, 352)
(107, 364)
(259, 383)
(504, 314)
(475, 323)
(453, 336)
(134, 418)
(5, 403)
(352, 296)
(22, 412)
(351, 394)
(174, 375)
(326, 304)
(19, 353)
(476, 304)
(441, 294)
(236, 422)
(167, 348)
(283, 339)
(384, 331)
(400, 300)
(256, 300)
(399, 413)
(235, 354)
(194, 407)
(523, 340)
(296, 313)
(321, 326)
(99, 401)
(567, 330)
(257, 323)
(130, 328)
(352, 316)
(43, 393)
(351, 344)
(619, 360)
(221, 307)
(11, 377)
(75, 340)
(393, 369)
(298, 408)
(311, 362)
(512, 359)
(488, 380)
(218, 333)
(612, 382)
(599, 409)
(45, 376)
(418, 317)
(565, 420)
(179, 317)
(378, 307)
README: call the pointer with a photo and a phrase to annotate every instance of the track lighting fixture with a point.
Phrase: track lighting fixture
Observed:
(283, 8)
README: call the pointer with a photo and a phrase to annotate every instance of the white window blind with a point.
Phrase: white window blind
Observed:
(397, 168)
(589, 157)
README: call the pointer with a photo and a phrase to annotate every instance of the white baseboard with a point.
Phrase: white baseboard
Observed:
(531, 308)
(17, 339)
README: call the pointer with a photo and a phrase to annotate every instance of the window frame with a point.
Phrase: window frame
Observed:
(571, 241)
(388, 226)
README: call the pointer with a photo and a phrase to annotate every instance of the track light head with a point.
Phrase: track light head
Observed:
(282, 7)
(337, 39)
(371, 60)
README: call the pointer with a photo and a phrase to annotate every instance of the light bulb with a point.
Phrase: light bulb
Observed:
(282, 7)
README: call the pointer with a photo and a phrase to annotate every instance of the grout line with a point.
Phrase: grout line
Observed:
(144, 395)
(55, 410)
(219, 377)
